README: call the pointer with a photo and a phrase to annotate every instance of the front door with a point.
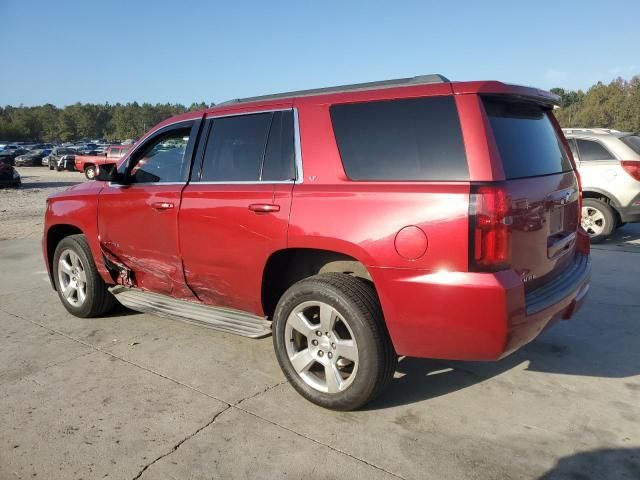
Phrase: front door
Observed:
(138, 221)
(235, 210)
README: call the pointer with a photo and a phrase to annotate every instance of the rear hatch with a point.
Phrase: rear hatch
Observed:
(542, 201)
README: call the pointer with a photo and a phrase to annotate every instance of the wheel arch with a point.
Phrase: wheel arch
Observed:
(607, 197)
(288, 266)
(55, 234)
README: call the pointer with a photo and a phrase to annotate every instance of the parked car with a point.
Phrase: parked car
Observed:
(11, 154)
(89, 163)
(61, 158)
(9, 176)
(32, 158)
(609, 166)
(355, 223)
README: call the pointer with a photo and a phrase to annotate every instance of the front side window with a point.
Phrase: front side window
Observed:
(162, 159)
(115, 152)
(591, 150)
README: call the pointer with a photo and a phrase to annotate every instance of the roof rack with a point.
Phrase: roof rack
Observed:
(398, 82)
(590, 130)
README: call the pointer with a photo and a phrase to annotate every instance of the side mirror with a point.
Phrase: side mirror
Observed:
(109, 173)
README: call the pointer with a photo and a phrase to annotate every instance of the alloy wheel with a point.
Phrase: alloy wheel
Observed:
(72, 278)
(321, 347)
(593, 221)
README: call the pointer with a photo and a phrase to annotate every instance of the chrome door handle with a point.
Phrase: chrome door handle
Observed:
(264, 207)
(162, 205)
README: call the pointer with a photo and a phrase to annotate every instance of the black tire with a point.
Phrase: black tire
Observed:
(606, 223)
(356, 302)
(98, 299)
(51, 167)
(90, 172)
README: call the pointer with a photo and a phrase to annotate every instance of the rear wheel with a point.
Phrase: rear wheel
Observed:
(80, 288)
(331, 341)
(90, 172)
(598, 219)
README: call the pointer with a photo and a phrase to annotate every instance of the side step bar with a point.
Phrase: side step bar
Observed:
(225, 319)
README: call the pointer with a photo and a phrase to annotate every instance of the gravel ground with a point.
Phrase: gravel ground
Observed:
(22, 210)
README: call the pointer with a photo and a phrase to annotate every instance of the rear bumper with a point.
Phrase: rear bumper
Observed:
(473, 316)
(631, 213)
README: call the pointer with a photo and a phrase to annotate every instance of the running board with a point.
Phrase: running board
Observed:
(224, 319)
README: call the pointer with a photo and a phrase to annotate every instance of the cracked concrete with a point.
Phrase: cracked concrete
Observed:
(135, 396)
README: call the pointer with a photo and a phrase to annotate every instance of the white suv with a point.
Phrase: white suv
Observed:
(609, 165)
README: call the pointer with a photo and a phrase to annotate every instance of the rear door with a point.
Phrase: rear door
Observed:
(235, 210)
(542, 187)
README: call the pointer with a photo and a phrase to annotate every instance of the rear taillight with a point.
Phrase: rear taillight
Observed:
(632, 167)
(489, 227)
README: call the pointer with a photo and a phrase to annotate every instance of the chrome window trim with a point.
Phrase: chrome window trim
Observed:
(243, 182)
(296, 149)
(144, 184)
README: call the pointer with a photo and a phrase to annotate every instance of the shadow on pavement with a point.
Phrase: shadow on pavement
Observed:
(626, 236)
(575, 348)
(613, 464)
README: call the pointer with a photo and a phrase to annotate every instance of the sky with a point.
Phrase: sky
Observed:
(185, 51)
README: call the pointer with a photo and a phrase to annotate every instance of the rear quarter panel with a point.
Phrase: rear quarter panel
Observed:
(362, 219)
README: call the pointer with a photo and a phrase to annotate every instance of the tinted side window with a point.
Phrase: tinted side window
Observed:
(279, 163)
(590, 150)
(236, 147)
(412, 139)
(633, 142)
(527, 142)
(162, 159)
(574, 149)
(115, 152)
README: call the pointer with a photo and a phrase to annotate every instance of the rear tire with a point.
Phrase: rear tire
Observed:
(598, 219)
(332, 328)
(80, 287)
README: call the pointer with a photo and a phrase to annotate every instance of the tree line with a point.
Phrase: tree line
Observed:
(614, 105)
(48, 123)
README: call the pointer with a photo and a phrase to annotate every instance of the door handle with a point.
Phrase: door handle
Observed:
(264, 207)
(162, 205)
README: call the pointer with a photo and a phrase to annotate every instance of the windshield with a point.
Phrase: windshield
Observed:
(633, 142)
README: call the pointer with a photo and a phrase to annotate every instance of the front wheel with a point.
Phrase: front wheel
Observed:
(331, 341)
(90, 172)
(80, 287)
(598, 219)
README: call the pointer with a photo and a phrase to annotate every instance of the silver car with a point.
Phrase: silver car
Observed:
(609, 166)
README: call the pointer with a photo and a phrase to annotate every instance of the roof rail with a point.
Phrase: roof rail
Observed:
(590, 130)
(398, 82)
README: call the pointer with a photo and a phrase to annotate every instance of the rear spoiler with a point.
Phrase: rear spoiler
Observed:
(537, 95)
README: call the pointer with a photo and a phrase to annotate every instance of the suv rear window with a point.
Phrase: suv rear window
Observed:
(408, 139)
(526, 139)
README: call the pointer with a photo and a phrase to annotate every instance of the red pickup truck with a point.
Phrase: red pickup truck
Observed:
(88, 163)
(415, 217)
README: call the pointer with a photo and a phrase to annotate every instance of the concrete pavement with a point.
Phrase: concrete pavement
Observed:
(136, 396)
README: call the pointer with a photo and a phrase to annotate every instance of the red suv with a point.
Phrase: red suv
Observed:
(416, 217)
